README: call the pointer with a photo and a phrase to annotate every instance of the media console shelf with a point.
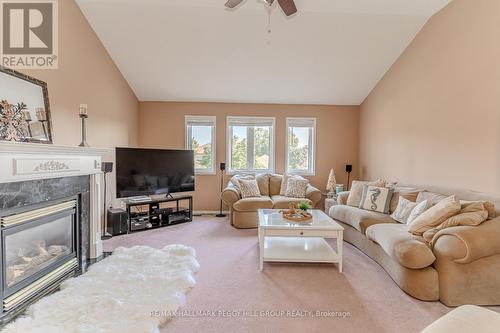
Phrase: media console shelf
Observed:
(156, 213)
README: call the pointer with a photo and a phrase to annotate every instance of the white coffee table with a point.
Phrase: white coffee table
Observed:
(281, 240)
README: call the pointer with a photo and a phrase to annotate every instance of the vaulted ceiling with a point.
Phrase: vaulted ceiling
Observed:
(331, 52)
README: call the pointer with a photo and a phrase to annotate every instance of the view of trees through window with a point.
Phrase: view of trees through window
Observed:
(201, 143)
(250, 147)
(298, 148)
(251, 143)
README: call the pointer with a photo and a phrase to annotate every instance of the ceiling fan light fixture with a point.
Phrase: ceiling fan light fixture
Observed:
(233, 3)
(288, 6)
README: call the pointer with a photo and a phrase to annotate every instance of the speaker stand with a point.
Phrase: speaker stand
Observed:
(105, 235)
(221, 189)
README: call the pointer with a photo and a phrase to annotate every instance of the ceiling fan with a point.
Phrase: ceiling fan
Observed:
(288, 6)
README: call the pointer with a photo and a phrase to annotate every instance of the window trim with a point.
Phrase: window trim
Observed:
(312, 141)
(188, 135)
(231, 121)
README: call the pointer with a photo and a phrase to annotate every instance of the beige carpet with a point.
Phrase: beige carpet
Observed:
(229, 280)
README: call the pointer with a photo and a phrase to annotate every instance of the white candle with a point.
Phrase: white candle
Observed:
(41, 115)
(27, 116)
(83, 110)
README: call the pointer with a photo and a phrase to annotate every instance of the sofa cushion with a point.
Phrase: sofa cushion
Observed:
(263, 182)
(296, 188)
(358, 218)
(377, 199)
(282, 202)
(419, 209)
(249, 188)
(235, 180)
(487, 205)
(284, 182)
(473, 213)
(356, 191)
(409, 250)
(466, 318)
(408, 193)
(403, 210)
(432, 197)
(253, 204)
(275, 184)
(435, 215)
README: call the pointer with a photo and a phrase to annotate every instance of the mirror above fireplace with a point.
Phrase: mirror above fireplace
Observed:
(24, 108)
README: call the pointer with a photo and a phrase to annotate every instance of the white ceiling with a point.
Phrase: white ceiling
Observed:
(331, 52)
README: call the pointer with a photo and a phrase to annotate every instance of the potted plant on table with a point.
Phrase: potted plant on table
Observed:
(304, 206)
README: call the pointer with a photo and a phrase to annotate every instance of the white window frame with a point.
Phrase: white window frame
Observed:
(202, 121)
(302, 122)
(250, 121)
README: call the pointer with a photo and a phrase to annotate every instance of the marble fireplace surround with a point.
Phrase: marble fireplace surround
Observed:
(34, 173)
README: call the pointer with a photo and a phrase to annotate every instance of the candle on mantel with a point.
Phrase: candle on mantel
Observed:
(41, 115)
(83, 110)
(27, 116)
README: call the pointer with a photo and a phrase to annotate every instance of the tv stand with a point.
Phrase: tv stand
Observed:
(156, 213)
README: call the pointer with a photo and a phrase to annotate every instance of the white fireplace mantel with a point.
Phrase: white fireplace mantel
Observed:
(29, 161)
(21, 161)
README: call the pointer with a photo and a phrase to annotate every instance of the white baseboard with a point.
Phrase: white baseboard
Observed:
(208, 212)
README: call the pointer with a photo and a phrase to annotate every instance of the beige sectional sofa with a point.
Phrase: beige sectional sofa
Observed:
(466, 319)
(243, 212)
(462, 266)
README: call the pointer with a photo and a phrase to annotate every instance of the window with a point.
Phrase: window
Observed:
(250, 143)
(300, 145)
(200, 137)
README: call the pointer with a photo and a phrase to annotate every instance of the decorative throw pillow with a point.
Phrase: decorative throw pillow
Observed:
(296, 188)
(418, 210)
(235, 180)
(471, 214)
(356, 191)
(403, 210)
(487, 205)
(377, 199)
(284, 182)
(432, 197)
(249, 188)
(409, 193)
(435, 215)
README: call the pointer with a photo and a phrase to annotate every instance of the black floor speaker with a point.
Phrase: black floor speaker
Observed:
(117, 222)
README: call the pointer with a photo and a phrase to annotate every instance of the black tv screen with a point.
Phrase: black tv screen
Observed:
(153, 171)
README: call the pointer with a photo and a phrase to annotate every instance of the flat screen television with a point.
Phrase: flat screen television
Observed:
(153, 171)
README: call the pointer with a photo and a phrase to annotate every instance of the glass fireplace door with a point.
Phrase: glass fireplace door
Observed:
(33, 246)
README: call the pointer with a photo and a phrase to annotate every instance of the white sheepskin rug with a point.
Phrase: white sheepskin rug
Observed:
(132, 291)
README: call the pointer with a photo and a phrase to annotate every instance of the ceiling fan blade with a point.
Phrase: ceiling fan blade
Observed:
(288, 7)
(233, 3)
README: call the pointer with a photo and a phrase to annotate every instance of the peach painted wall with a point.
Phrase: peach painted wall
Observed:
(88, 75)
(161, 125)
(435, 116)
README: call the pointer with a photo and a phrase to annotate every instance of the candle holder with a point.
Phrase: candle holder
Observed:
(41, 116)
(28, 119)
(84, 143)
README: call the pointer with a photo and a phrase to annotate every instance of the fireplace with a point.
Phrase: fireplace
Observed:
(50, 218)
(40, 246)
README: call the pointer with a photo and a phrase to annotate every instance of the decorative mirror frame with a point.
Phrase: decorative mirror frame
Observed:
(45, 93)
